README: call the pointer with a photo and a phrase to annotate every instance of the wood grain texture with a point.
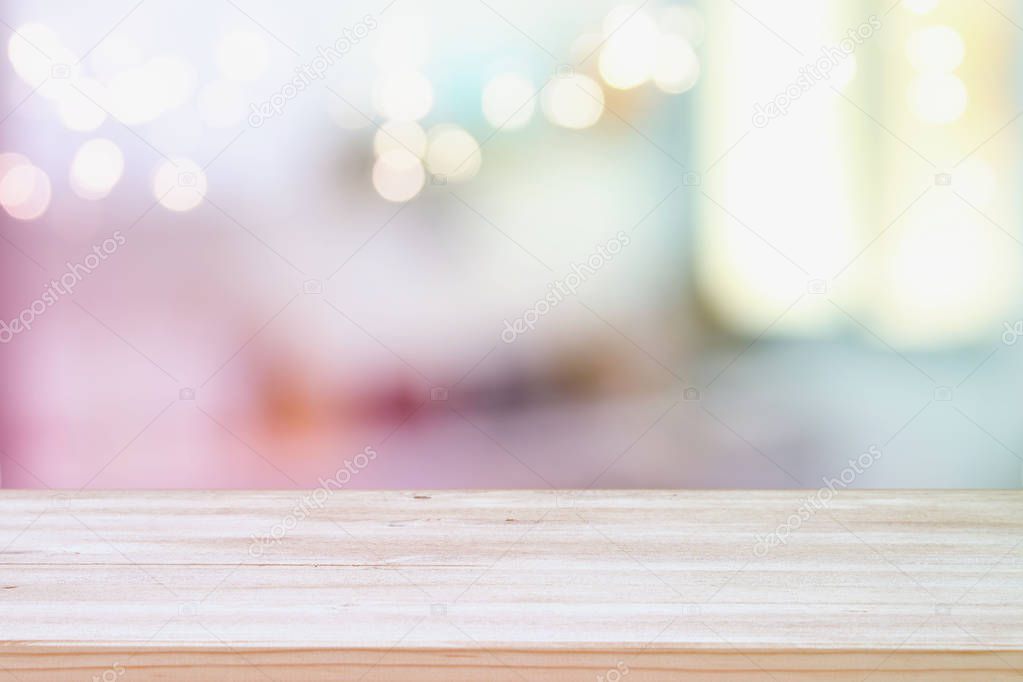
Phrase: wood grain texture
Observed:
(511, 585)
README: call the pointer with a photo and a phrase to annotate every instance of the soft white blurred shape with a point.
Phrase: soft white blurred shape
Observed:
(509, 101)
(96, 168)
(179, 185)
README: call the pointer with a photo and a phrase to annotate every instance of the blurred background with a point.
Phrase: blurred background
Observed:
(504, 244)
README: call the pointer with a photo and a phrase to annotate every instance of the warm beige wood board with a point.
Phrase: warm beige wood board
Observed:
(510, 585)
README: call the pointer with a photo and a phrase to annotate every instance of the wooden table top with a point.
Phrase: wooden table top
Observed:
(533, 585)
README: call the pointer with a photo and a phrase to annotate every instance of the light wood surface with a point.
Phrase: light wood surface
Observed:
(512, 585)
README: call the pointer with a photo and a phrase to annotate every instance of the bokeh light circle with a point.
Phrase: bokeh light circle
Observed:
(629, 55)
(573, 101)
(179, 185)
(398, 175)
(509, 101)
(677, 67)
(25, 191)
(453, 154)
(96, 168)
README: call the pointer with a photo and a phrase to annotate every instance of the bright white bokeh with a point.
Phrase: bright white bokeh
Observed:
(509, 101)
(179, 185)
(398, 175)
(677, 68)
(25, 192)
(629, 55)
(573, 101)
(40, 59)
(96, 168)
(453, 153)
